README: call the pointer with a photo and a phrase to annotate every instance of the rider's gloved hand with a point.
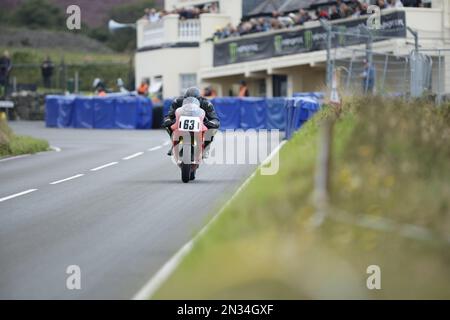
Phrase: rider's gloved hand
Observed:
(168, 123)
(211, 124)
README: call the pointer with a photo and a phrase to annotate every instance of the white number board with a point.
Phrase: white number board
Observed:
(191, 124)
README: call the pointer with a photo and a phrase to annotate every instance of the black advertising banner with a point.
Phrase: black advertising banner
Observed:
(243, 50)
(305, 40)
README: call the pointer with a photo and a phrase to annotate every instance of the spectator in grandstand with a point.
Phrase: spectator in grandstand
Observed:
(322, 14)
(302, 17)
(47, 68)
(334, 13)
(243, 89)
(5, 70)
(392, 4)
(152, 15)
(213, 8)
(412, 3)
(345, 11)
(364, 7)
(381, 4)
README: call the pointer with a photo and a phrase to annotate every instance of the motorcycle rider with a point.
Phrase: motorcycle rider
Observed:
(211, 120)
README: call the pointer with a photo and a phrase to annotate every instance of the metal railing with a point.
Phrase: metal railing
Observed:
(153, 34)
(189, 30)
(157, 34)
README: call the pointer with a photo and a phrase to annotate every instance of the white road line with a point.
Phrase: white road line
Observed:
(155, 148)
(14, 158)
(67, 179)
(133, 156)
(56, 149)
(166, 143)
(17, 195)
(105, 166)
(169, 267)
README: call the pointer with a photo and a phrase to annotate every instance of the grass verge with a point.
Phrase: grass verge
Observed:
(13, 145)
(390, 159)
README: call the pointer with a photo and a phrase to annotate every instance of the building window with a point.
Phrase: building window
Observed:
(186, 81)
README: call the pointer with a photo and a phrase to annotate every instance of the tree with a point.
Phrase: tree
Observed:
(39, 14)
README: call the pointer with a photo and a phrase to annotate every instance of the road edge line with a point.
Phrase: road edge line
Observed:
(155, 282)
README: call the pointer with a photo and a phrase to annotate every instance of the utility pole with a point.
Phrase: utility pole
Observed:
(328, 29)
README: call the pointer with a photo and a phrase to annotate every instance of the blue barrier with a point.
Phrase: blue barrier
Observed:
(104, 113)
(229, 112)
(287, 114)
(135, 112)
(111, 112)
(298, 111)
(275, 114)
(83, 113)
(253, 113)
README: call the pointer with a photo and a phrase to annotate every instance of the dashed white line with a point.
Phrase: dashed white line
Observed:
(104, 166)
(166, 143)
(133, 156)
(155, 148)
(67, 179)
(17, 195)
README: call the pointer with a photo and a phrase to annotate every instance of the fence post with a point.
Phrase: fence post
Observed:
(329, 75)
(322, 175)
(76, 78)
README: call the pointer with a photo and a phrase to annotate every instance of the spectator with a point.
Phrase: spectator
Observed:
(334, 13)
(5, 70)
(153, 16)
(412, 3)
(99, 87)
(121, 86)
(209, 92)
(303, 16)
(381, 4)
(322, 14)
(143, 88)
(368, 77)
(213, 8)
(243, 89)
(364, 7)
(392, 4)
(47, 68)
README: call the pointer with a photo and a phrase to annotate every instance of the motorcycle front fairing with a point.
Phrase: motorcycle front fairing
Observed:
(189, 129)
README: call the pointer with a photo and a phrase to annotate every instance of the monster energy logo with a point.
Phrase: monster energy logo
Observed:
(308, 36)
(233, 47)
(341, 33)
(278, 43)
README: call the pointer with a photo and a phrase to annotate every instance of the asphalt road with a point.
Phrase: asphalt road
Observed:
(119, 224)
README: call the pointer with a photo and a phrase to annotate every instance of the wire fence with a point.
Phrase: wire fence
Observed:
(361, 69)
(69, 77)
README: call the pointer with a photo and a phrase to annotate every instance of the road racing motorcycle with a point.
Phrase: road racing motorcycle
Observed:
(188, 138)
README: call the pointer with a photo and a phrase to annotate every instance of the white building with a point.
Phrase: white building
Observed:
(175, 53)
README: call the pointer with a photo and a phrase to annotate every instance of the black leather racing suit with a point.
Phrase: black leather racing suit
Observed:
(211, 119)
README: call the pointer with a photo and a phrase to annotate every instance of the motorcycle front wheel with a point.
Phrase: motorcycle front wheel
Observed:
(185, 172)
